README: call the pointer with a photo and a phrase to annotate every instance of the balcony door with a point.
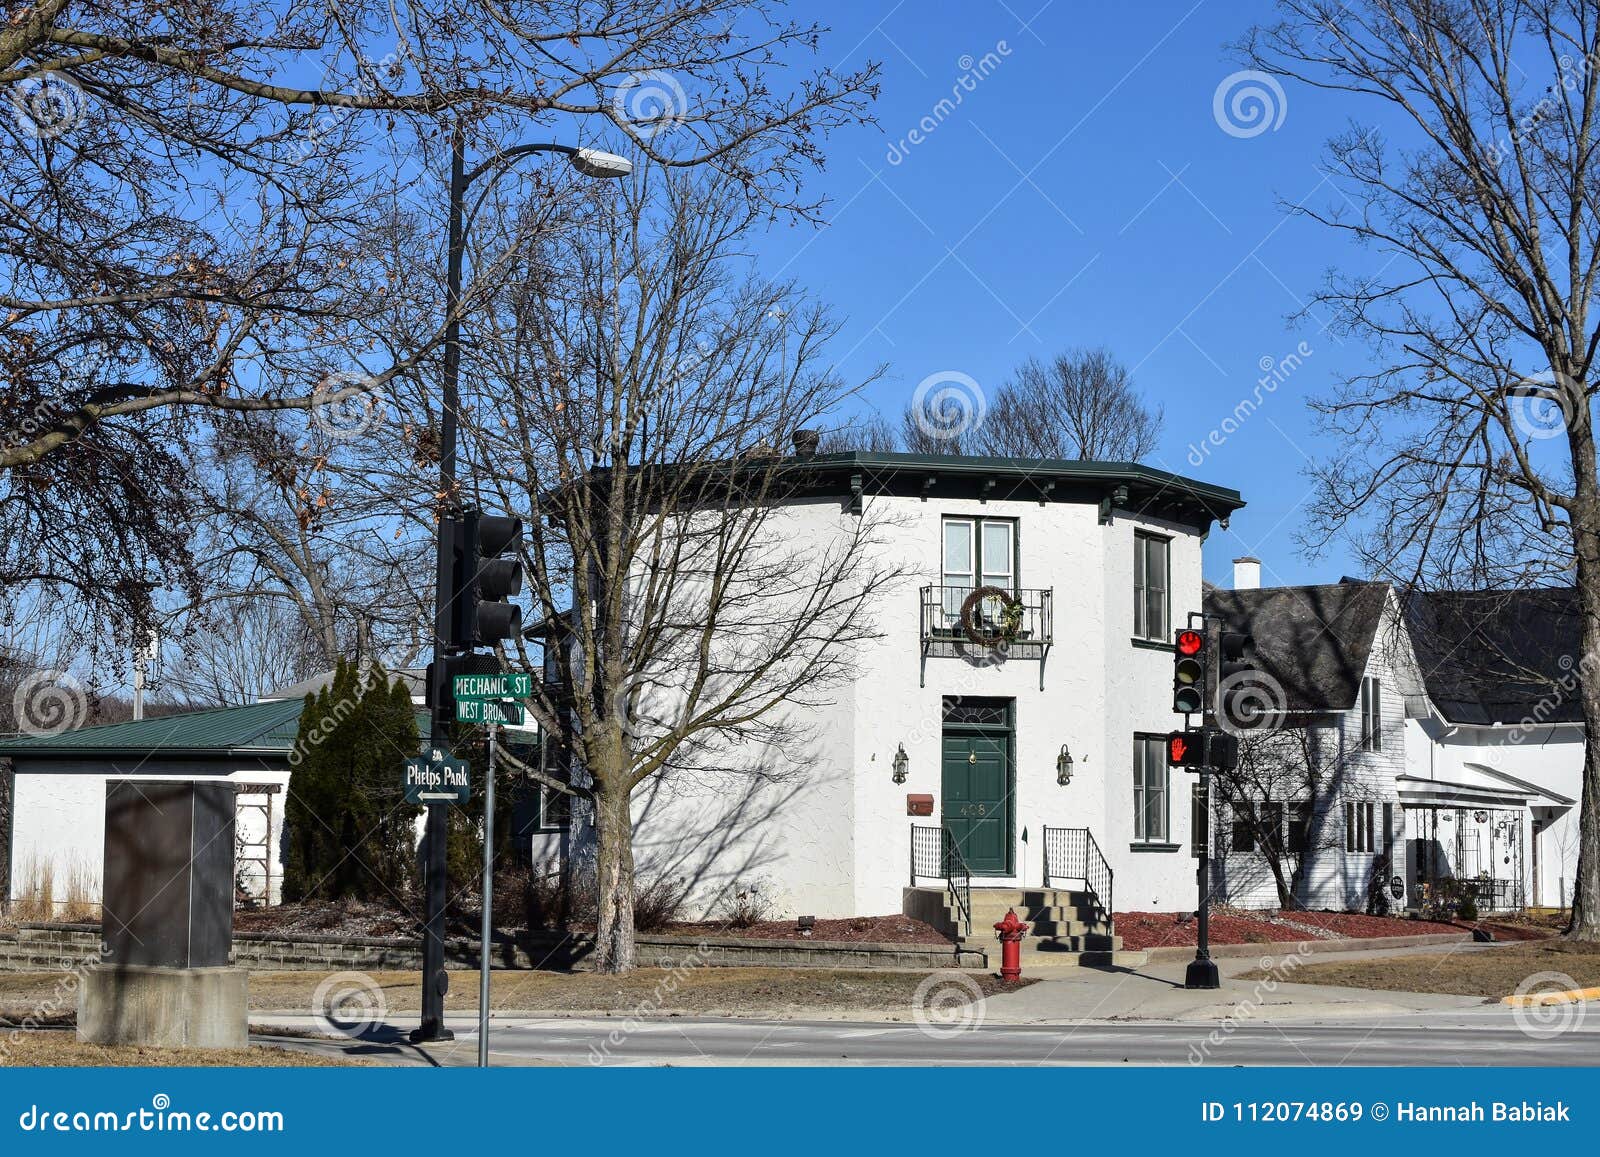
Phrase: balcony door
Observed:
(978, 552)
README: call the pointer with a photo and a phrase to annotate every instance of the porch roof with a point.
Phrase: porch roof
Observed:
(1423, 793)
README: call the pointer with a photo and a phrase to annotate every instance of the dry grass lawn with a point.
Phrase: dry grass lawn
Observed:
(709, 991)
(61, 1049)
(1491, 972)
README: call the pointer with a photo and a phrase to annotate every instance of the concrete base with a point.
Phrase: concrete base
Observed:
(197, 1008)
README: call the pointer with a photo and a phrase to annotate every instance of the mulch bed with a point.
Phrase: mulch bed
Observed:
(351, 918)
(1140, 930)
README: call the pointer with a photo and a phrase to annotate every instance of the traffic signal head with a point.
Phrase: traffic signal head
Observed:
(1186, 748)
(1189, 672)
(486, 582)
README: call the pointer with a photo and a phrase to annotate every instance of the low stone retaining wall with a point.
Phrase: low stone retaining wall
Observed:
(51, 947)
(1279, 948)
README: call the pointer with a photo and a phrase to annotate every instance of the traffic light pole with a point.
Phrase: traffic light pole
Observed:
(1202, 971)
(435, 980)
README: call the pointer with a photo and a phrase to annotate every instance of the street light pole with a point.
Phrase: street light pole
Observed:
(591, 163)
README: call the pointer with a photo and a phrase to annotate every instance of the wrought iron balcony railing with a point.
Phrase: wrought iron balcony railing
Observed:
(986, 622)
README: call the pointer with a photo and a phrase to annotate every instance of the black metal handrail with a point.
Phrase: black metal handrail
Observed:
(1073, 854)
(936, 856)
(1022, 620)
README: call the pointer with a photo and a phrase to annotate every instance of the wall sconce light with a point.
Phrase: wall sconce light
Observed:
(901, 764)
(1064, 766)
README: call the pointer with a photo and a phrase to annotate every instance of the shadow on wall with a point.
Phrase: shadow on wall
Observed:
(717, 832)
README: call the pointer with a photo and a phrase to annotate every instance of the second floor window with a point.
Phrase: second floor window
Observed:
(980, 552)
(1151, 616)
(1371, 715)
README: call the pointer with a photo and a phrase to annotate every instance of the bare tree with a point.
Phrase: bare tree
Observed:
(1280, 806)
(872, 433)
(1079, 405)
(190, 196)
(1469, 451)
(689, 625)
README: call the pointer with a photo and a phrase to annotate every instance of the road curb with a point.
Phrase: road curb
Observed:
(1534, 999)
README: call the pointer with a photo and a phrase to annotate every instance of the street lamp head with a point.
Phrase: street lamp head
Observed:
(595, 163)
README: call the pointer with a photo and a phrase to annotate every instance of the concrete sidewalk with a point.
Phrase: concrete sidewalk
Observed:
(1154, 992)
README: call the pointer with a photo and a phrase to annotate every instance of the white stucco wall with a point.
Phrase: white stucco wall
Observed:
(59, 815)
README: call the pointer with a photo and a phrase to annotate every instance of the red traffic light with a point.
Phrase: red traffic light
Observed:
(1190, 642)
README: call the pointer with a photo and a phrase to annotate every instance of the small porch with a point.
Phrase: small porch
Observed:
(1465, 840)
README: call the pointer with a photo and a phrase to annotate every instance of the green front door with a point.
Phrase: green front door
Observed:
(977, 798)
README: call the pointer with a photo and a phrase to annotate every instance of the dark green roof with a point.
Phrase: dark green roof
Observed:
(257, 729)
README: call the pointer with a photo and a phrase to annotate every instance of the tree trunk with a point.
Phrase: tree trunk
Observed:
(613, 824)
(1586, 883)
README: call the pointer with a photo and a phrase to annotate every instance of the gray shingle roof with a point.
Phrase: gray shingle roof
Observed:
(1499, 656)
(1314, 640)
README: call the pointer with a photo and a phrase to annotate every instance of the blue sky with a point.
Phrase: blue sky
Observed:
(1084, 193)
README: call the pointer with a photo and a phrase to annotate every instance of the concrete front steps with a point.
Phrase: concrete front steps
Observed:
(1066, 928)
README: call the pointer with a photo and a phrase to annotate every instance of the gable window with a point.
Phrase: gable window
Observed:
(1151, 600)
(1371, 715)
(1358, 827)
(1150, 788)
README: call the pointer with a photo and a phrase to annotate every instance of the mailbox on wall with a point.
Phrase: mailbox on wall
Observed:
(919, 805)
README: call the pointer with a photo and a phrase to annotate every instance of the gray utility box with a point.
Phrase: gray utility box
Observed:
(169, 865)
(167, 921)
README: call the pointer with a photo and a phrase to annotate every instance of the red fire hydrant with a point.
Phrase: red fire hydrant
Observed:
(1011, 931)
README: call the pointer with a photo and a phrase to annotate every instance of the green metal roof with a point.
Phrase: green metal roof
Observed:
(258, 728)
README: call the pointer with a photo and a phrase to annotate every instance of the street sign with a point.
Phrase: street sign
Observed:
(489, 711)
(437, 778)
(504, 685)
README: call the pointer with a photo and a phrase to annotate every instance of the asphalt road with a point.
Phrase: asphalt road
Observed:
(1487, 1039)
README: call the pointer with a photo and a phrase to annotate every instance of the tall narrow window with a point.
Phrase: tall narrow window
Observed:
(1371, 715)
(1150, 789)
(1358, 827)
(1151, 609)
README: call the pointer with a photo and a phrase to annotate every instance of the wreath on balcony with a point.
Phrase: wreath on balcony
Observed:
(984, 627)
